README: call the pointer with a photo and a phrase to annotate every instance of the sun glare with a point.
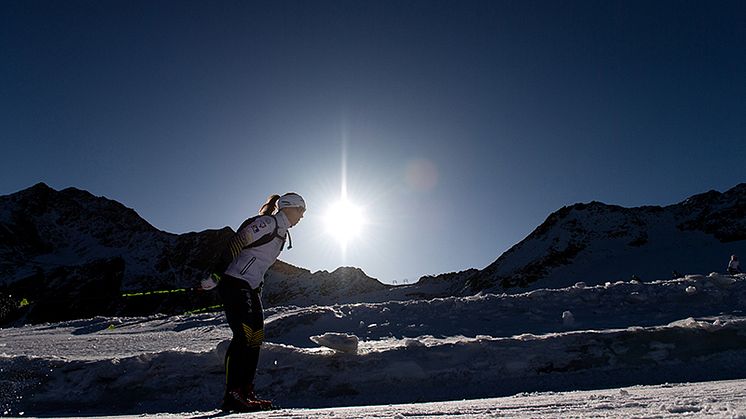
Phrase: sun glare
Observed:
(344, 221)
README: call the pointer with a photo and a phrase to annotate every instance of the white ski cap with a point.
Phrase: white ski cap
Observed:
(291, 200)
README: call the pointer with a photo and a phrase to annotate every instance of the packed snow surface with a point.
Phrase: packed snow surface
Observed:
(391, 357)
(715, 399)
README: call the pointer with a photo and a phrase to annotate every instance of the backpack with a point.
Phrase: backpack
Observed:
(227, 255)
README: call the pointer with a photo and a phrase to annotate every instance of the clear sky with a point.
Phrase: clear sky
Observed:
(457, 126)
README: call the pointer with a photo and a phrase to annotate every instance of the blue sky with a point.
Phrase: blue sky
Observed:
(463, 124)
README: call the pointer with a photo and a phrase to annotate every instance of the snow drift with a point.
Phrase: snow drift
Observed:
(443, 349)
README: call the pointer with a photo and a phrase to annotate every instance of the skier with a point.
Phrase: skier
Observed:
(251, 251)
(733, 267)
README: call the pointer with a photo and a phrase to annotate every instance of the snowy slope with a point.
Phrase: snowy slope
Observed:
(596, 243)
(581, 337)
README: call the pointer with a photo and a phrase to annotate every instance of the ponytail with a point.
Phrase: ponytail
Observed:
(270, 206)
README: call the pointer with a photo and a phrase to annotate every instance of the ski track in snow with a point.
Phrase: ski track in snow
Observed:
(408, 352)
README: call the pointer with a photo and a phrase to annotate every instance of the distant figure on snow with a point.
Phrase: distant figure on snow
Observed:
(733, 266)
(240, 277)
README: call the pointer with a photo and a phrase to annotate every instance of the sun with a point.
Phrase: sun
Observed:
(345, 221)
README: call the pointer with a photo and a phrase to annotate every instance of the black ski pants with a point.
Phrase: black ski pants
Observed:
(243, 310)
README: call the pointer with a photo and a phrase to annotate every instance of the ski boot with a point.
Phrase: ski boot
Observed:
(243, 400)
(250, 395)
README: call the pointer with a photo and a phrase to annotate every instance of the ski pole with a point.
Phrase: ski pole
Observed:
(156, 292)
(204, 310)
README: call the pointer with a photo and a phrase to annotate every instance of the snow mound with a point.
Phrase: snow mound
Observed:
(340, 342)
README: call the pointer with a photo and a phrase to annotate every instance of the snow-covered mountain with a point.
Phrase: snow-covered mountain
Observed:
(595, 243)
(43, 230)
(71, 250)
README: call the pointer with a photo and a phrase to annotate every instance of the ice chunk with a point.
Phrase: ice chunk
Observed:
(340, 342)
